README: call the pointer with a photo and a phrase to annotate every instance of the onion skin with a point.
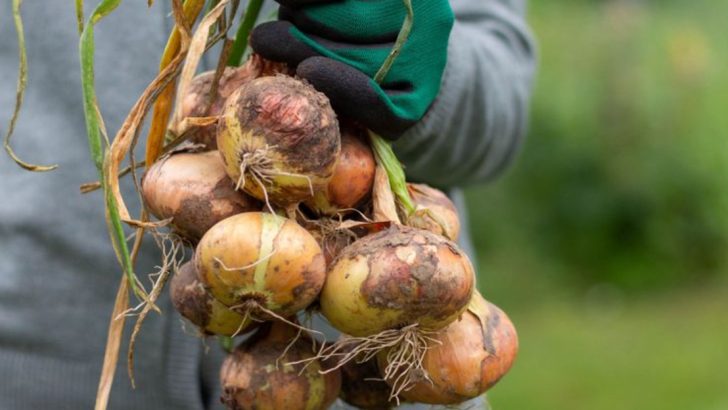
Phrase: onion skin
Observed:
(476, 352)
(397, 277)
(353, 176)
(291, 132)
(271, 260)
(256, 375)
(195, 100)
(441, 216)
(194, 190)
(193, 302)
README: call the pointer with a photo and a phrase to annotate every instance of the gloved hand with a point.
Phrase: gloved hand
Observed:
(339, 45)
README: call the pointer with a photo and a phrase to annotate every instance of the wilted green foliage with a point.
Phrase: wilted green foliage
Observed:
(624, 177)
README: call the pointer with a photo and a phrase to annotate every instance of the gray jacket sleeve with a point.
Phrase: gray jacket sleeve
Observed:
(477, 123)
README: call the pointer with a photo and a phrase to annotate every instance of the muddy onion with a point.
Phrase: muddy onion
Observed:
(258, 375)
(194, 190)
(196, 101)
(394, 278)
(476, 351)
(193, 302)
(353, 176)
(436, 212)
(261, 259)
(279, 139)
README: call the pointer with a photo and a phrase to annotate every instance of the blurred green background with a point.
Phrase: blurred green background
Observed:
(607, 241)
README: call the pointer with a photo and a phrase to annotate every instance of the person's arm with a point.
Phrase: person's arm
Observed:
(478, 120)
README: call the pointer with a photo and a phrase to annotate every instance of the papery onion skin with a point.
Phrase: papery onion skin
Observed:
(397, 277)
(192, 301)
(194, 190)
(441, 216)
(262, 257)
(476, 352)
(257, 375)
(286, 136)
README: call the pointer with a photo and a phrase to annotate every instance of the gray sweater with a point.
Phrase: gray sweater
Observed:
(59, 276)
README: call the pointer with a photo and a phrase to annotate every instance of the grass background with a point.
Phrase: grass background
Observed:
(607, 242)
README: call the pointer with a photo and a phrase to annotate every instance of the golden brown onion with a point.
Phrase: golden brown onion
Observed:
(394, 278)
(193, 302)
(475, 352)
(279, 139)
(353, 177)
(362, 387)
(257, 375)
(258, 260)
(194, 190)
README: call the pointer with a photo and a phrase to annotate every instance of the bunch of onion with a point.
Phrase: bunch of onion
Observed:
(194, 192)
(202, 99)
(261, 265)
(205, 312)
(392, 292)
(258, 374)
(472, 354)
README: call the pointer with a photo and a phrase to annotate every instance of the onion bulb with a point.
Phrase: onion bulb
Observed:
(362, 387)
(435, 211)
(194, 190)
(193, 302)
(394, 278)
(279, 139)
(261, 264)
(473, 353)
(259, 373)
(353, 176)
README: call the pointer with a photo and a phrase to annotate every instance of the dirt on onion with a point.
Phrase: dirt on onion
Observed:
(353, 176)
(195, 304)
(472, 355)
(194, 191)
(261, 264)
(279, 139)
(258, 374)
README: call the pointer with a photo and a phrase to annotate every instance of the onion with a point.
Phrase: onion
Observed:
(362, 387)
(279, 139)
(353, 176)
(196, 103)
(475, 352)
(261, 264)
(391, 292)
(394, 278)
(194, 190)
(435, 211)
(258, 374)
(193, 302)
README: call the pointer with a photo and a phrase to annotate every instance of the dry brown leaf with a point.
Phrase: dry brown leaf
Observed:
(194, 55)
(384, 206)
(113, 344)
